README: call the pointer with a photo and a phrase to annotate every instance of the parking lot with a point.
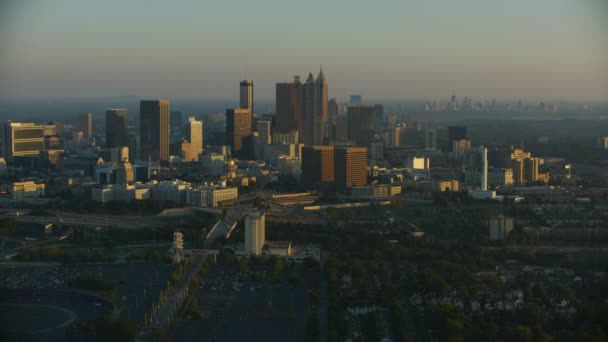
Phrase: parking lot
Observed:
(239, 308)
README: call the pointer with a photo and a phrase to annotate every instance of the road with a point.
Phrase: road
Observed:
(177, 297)
(91, 221)
(224, 226)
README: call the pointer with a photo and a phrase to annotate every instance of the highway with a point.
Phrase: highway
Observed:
(91, 221)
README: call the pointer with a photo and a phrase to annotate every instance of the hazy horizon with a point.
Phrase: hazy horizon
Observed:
(535, 51)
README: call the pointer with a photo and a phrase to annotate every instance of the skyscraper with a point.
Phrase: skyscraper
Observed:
(22, 140)
(355, 100)
(303, 107)
(350, 167)
(85, 124)
(430, 139)
(246, 95)
(317, 165)
(289, 107)
(456, 133)
(238, 131)
(194, 135)
(314, 108)
(176, 126)
(379, 117)
(361, 123)
(154, 129)
(116, 128)
(263, 127)
(333, 108)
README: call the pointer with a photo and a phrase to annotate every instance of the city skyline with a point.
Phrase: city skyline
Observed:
(545, 50)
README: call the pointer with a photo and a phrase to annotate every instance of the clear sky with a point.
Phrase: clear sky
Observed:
(529, 49)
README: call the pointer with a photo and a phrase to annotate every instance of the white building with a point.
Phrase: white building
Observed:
(210, 196)
(255, 233)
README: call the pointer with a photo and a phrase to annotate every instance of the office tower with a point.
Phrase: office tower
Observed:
(518, 157)
(430, 139)
(289, 108)
(341, 128)
(379, 117)
(350, 167)
(355, 100)
(285, 138)
(119, 154)
(303, 107)
(124, 174)
(246, 95)
(194, 136)
(154, 129)
(531, 169)
(85, 124)
(314, 109)
(333, 108)
(317, 165)
(238, 131)
(22, 139)
(361, 121)
(263, 127)
(116, 128)
(459, 148)
(255, 233)
(176, 126)
(395, 135)
(456, 133)
(484, 169)
(133, 142)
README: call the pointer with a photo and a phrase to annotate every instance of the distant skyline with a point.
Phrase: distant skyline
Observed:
(393, 50)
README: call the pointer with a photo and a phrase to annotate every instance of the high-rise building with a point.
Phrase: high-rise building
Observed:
(22, 140)
(350, 167)
(361, 123)
(518, 157)
(194, 136)
(246, 95)
(303, 107)
(154, 129)
(317, 165)
(124, 173)
(116, 128)
(255, 233)
(314, 109)
(341, 128)
(263, 127)
(289, 108)
(459, 148)
(119, 154)
(85, 124)
(456, 133)
(285, 138)
(238, 131)
(355, 100)
(531, 169)
(379, 117)
(176, 126)
(333, 108)
(430, 139)
(395, 135)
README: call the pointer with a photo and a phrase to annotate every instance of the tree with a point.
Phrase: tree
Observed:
(524, 333)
